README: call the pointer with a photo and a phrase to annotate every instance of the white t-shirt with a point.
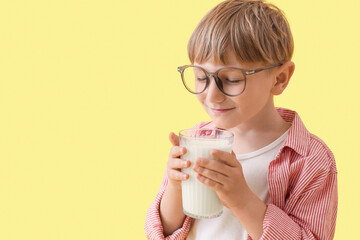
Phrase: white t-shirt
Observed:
(255, 167)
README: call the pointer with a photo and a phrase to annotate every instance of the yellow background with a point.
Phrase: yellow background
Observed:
(89, 93)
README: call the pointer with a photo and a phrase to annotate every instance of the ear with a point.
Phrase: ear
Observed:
(282, 77)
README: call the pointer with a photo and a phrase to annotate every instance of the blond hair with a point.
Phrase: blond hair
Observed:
(256, 31)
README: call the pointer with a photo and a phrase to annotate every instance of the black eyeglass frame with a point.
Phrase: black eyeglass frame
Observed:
(216, 78)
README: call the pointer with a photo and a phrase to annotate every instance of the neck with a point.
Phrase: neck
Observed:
(259, 131)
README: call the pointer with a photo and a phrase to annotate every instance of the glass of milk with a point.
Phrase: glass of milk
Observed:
(200, 201)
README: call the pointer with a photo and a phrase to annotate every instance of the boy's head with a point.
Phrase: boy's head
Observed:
(239, 35)
(257, 32)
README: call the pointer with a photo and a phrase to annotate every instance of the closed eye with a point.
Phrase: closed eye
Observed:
(233, 80)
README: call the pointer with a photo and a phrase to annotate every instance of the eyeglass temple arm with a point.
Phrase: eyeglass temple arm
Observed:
(181, 68)
(261, 69)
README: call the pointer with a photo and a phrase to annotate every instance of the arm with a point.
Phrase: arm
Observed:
(313, 216)
(171, 213)
(165, 216)
(227, 179)
(310, 208)
(153, 225)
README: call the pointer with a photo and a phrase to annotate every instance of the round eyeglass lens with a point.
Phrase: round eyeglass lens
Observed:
(194, 79)
(230, 81)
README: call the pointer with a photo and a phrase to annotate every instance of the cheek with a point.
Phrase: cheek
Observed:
(258, 89)
(200, 98)
(243, 100)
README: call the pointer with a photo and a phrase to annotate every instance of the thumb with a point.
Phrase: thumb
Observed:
(174, 139)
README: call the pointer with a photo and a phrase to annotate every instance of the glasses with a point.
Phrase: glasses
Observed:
(230, 80)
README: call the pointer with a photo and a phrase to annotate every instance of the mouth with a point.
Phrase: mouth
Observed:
(221, 110)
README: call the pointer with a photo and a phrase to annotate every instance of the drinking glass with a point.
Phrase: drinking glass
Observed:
(200, 201)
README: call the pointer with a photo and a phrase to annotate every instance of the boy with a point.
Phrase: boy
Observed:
(280, 182)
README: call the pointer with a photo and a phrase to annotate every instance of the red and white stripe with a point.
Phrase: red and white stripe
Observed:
(302, 184)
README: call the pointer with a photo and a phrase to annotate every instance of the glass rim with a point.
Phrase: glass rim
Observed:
(182, 135)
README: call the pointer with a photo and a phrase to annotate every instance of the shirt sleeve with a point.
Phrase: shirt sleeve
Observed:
(153, 226)
(313, 216)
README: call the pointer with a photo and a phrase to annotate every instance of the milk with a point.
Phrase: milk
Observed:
(200, 201)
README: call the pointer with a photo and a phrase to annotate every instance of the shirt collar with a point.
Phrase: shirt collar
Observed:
(298, 137)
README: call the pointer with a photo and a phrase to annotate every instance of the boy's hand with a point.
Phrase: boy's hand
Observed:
(225, 177)
(175, 163)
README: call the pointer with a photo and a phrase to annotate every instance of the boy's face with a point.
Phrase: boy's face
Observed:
(247, 108)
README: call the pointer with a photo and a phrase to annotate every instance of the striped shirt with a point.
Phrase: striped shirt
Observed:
(302, 182)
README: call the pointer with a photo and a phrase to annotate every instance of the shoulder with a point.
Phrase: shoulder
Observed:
(314, 167)
(307, 172)
(319, 155)
(305, 151)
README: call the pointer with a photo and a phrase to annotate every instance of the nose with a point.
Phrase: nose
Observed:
(213, 93)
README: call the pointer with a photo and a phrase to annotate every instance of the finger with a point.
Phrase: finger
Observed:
(177, 151)
(174, 139)
(177, 175)
(210, 183)
(177, 163)
(210, 174)
(227, 158)
(214, 165)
